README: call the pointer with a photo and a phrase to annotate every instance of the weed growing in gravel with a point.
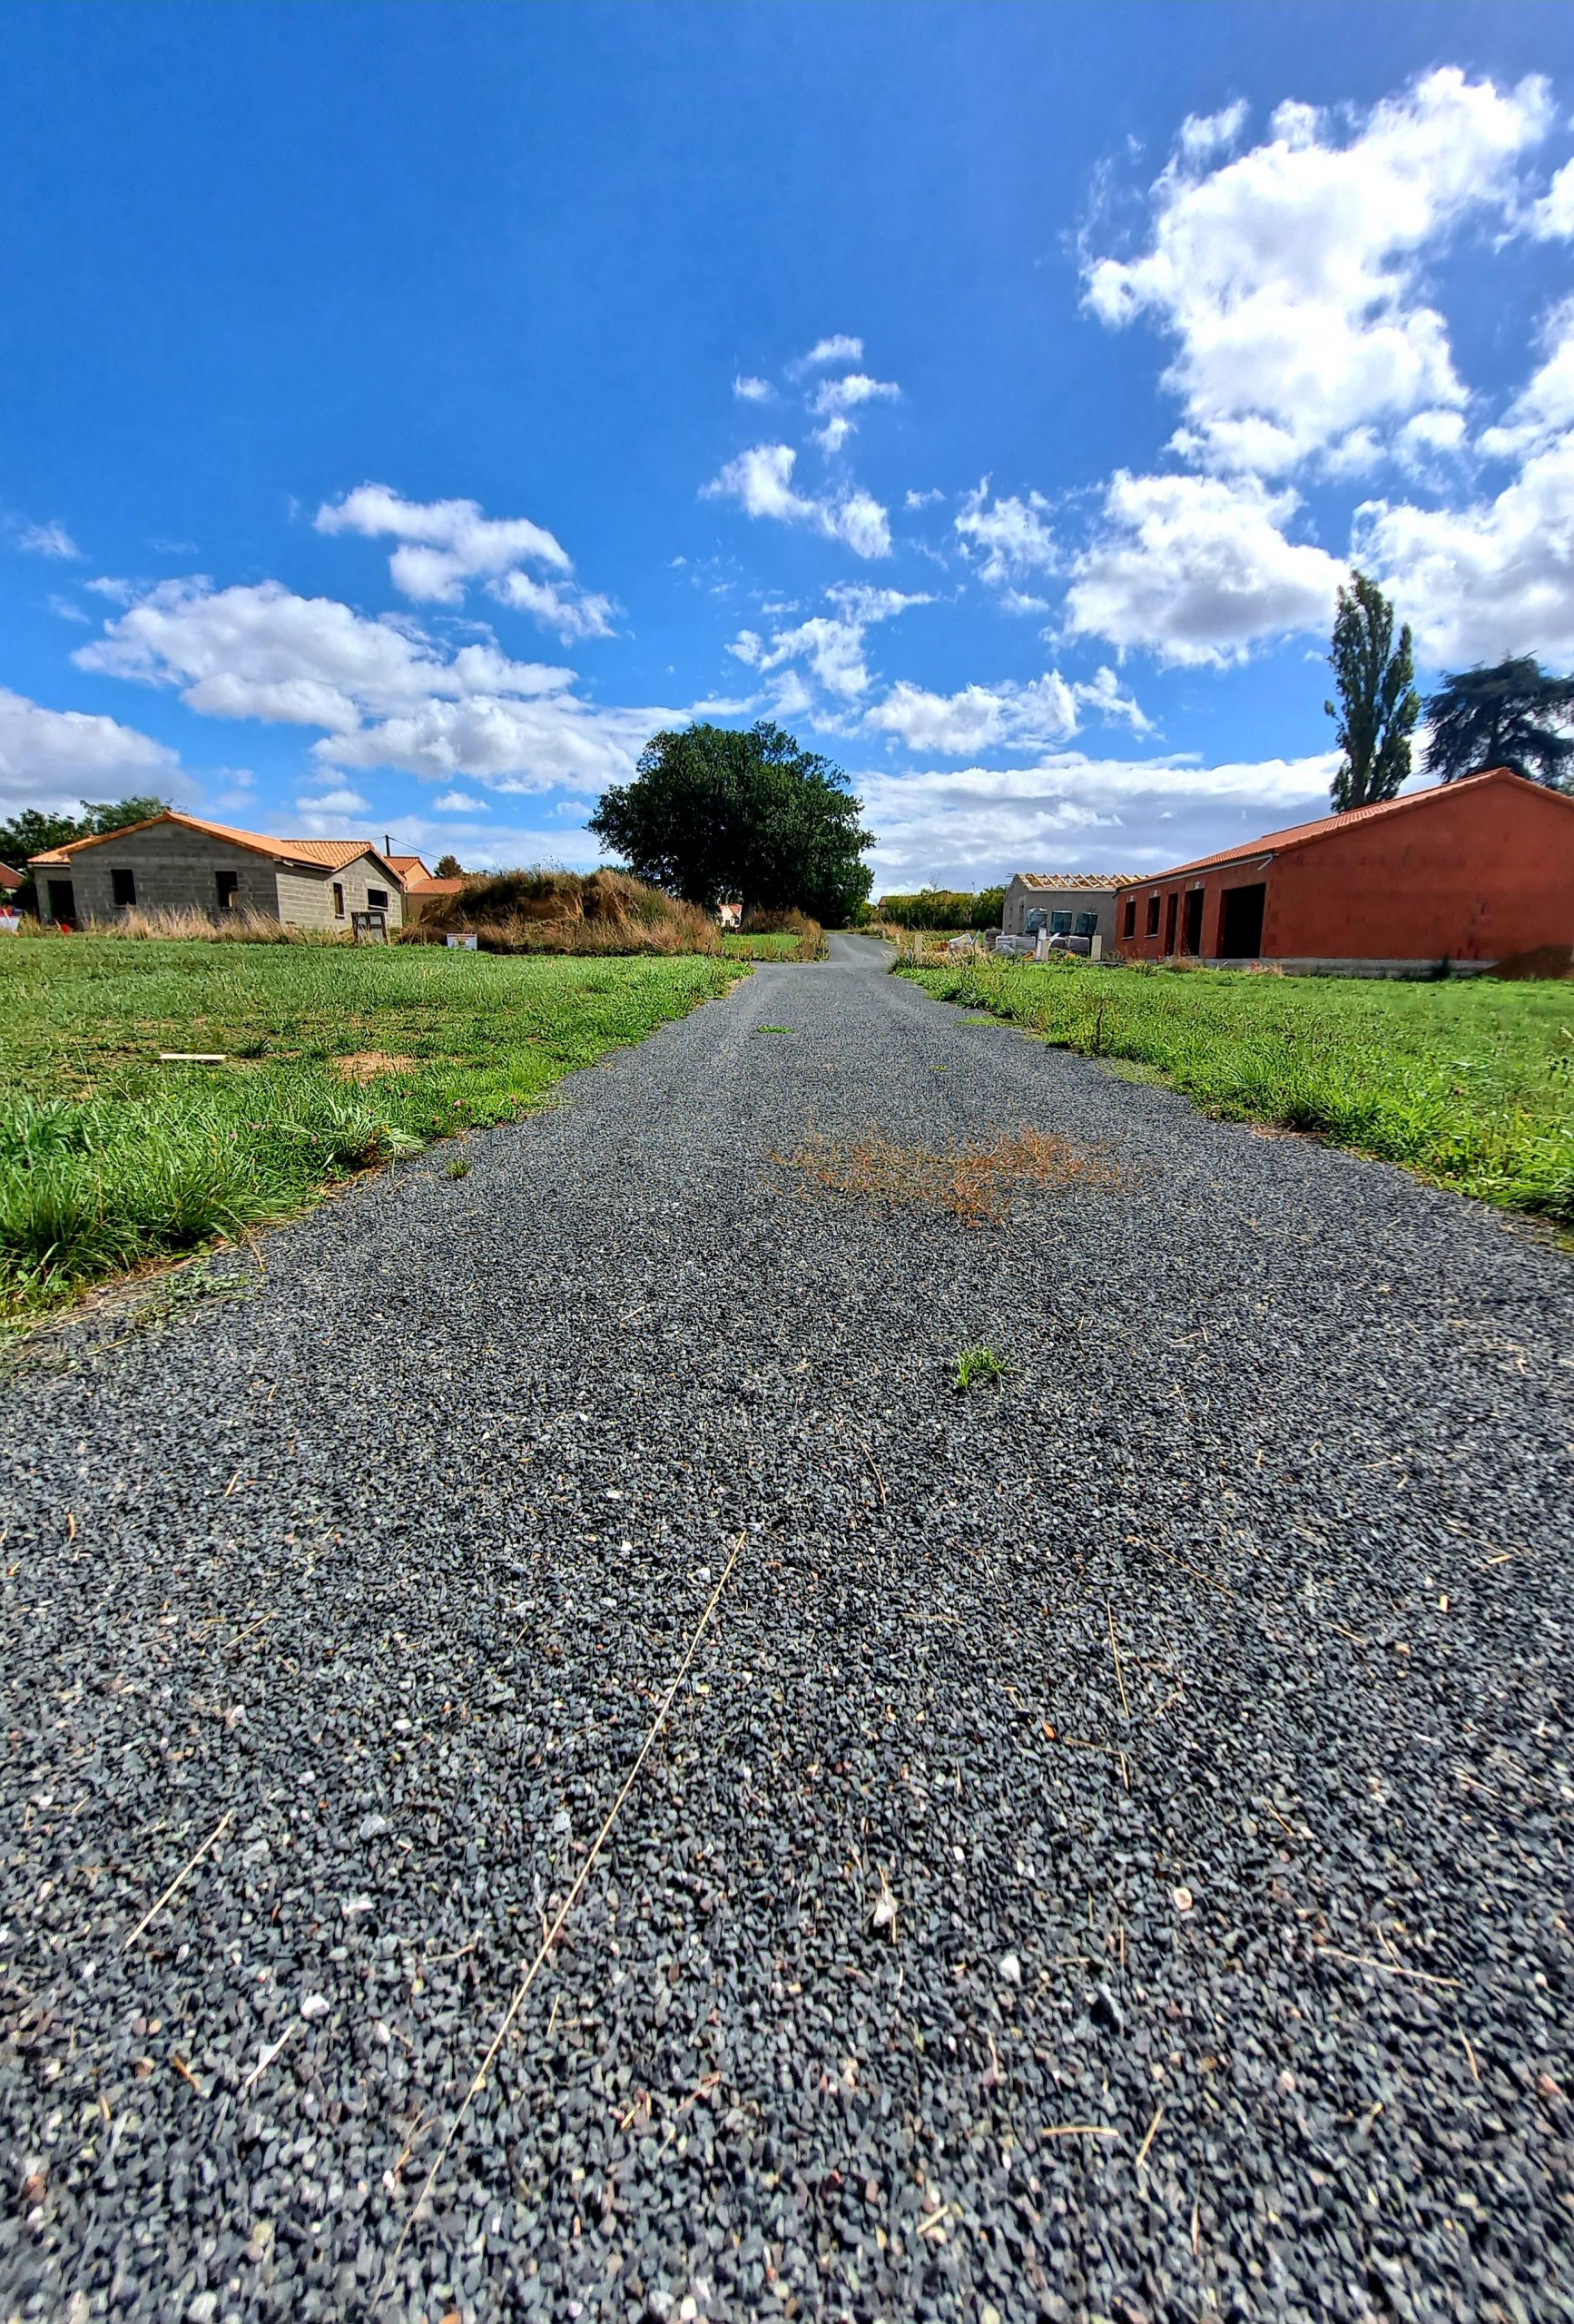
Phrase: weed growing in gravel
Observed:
(975, 1183)
(459, 1166)
(1467, 1082)
(772, 1028)
(979, 1367)
(109, 1157)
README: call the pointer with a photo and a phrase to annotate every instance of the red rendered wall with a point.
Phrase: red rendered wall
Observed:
(1473, 875)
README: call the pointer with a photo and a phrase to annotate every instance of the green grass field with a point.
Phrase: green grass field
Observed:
(780, 945)
(335, 1058)
(1467, 1082)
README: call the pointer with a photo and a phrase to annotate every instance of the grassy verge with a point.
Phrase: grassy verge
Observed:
(334, 1058)
(1468, 1083)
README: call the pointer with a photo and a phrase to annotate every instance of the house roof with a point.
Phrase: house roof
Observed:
(1304, 834)
(9, 879)
(319, 854)
(408, 867)
(434, 887)
(1073, 879)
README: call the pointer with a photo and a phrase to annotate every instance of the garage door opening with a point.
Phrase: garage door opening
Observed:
(1241, 923)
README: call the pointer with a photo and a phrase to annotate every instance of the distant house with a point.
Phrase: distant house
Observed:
(409, 867)
(730, 914)
(9, 880)
(424, 893)
(177, 862)
(1063, 904)
(1468, 873)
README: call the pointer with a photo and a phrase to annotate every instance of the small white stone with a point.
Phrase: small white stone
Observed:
(315, 2005)
(1010, 1968)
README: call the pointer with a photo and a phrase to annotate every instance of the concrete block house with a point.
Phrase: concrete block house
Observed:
(1064, 903)
(177, 862)
(1467, 874)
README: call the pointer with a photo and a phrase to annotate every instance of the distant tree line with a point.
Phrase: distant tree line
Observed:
(35, 828)
(944, 908)
(1512, 713)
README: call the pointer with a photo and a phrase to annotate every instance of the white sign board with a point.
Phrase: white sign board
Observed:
(460, 943)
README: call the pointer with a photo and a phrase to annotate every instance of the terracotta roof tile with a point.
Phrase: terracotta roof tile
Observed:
(324, 855)
(1073, 879)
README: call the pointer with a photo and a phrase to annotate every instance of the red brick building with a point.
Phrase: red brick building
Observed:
(1470, 871)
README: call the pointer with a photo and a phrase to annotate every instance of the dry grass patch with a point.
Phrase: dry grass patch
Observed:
(368, 1065)
(976, 1183)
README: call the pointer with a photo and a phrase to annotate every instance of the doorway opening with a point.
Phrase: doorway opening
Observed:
(1241, 923)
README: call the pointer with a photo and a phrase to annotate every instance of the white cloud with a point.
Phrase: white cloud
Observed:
(1289, 276)
(383, 692)
(324, 815)
(1204, 134)
(977, 718)
(1197, 568)
(50, 540)
(864, 525)
(68, 611)
(1010, 533)
(830, 645)
(460, 803)
(834, 435)
(750, 390)
(443, 544)
(56, 758)
(974, 826)
(761, 480)
(846, 394)
(1553, 217)
(1007, 716)
(1545, 408)
(1488, 580)
(922, 499)
(839, 349)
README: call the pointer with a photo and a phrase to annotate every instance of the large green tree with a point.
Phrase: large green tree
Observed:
(1514, 714)
(717, 812)
(1378, 703)
(35, 828)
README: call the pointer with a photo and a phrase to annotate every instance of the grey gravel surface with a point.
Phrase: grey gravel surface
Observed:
(1198, 1698)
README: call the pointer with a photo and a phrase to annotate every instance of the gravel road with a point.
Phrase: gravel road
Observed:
(1110, 1856)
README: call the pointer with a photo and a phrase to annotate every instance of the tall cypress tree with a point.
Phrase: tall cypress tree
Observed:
(1378, 703)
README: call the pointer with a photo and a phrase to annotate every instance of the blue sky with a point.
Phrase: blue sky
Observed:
(410, 408)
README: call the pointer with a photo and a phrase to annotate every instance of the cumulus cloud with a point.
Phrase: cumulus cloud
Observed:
(50, 540)
(1010, 535)
(56, 758)
(460, 803)
(837, 349)
(761, 480)
(1197, 569)
(445, 543)
(1007, 716)
(323, 816)
(751, 390)
(1545, 407)
(975, 826)
(1493, 578)
(383, 693)
(1553, 217)
(830, 645)
(1289, 276)
(844, 395)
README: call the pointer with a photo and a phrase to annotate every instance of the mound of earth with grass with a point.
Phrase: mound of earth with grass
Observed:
(567, 912)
